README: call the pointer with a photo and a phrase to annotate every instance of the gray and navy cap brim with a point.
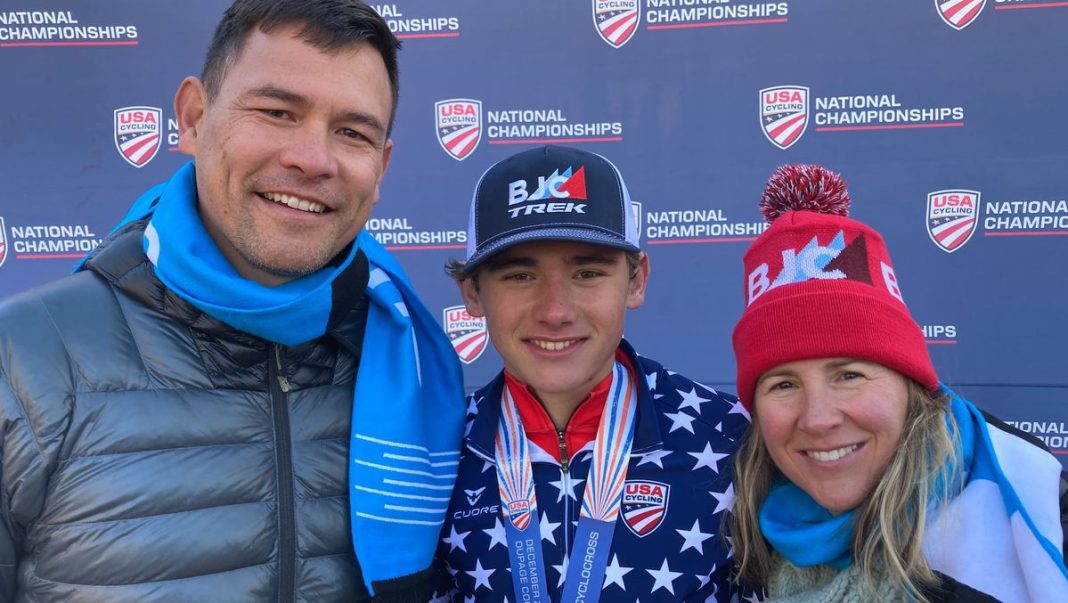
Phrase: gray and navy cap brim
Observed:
(611, 223)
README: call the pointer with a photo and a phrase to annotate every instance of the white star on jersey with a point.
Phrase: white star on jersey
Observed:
(663, 578)
(691, 400)
(614, 572)
(724, 500)
(707, 458)
(694, 537)
(654, 457)
(497, 534)
(680, 420)
(560, 486)
(480, 575)
(547, 528)
(738, 409)
(455, 540)
(561, 568)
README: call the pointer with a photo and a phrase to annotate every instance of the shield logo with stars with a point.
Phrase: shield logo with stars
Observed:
(644, 505)
(458, 126)
(959, 14)
(467, 333)
(616, 20)
(138, 133)
(784, 114)
(952, 216)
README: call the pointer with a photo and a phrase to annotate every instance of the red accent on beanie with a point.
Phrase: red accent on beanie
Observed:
(821, 285)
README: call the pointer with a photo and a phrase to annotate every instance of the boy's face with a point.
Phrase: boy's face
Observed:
(555, 312)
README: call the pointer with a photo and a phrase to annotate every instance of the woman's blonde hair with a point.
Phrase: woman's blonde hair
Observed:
(888, 536)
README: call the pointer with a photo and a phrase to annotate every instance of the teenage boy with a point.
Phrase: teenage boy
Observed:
(587, 471)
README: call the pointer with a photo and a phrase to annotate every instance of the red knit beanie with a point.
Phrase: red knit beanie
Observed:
(821, 285)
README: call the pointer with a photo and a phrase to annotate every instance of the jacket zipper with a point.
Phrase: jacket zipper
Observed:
(287, 548)
(563, 450)
(565, 483)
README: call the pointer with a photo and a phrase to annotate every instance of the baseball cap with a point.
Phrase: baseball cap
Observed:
(549, 193)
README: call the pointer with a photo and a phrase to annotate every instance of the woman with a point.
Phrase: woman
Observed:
(863, 478)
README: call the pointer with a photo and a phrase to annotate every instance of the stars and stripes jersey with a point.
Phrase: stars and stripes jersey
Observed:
(667, 544)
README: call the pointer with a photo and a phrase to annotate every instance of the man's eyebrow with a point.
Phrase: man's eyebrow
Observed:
(600, 260)
(364, 118)
(277, 93)
(288, 96)
(510, 261)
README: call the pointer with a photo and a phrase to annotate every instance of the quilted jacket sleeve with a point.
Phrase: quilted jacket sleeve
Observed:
(1064, 513)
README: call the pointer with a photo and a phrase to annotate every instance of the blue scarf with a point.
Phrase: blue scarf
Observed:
(408, 409)
(806, 534)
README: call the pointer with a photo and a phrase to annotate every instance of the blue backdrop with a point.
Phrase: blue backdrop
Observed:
(936, 113)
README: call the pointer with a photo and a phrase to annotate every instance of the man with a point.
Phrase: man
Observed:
(588, 472)
(175, 417)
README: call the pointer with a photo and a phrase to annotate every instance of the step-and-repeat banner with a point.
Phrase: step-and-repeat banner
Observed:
(943, 116)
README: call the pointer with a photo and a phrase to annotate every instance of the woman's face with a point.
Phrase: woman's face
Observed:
(832, 425)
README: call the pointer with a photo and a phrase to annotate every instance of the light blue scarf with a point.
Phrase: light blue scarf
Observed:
(806, 534)
(408, 411)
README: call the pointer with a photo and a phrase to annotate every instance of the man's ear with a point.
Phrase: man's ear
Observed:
(189, 104)
(387, 152)
(472, 301)
(638, 283)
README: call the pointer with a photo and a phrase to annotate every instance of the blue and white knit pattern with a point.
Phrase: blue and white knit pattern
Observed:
(1002, 534)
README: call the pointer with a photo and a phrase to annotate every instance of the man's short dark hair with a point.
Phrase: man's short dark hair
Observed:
(327, 25)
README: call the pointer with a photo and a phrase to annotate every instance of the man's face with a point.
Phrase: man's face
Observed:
(290, 153)
(555, 312)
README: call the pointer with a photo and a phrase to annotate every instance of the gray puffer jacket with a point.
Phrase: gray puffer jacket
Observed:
(151, 453)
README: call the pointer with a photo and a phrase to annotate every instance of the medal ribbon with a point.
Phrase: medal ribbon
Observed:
(600, 502)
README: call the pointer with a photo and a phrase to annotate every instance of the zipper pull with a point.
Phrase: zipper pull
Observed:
(563, 451)
(282, 381)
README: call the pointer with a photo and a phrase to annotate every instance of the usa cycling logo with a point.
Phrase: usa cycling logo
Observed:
(459, 126)
(616, 20)
(644, 505)
(467, 333)
(138, 134)
(959, 14)
(952, 216)
(784, 114)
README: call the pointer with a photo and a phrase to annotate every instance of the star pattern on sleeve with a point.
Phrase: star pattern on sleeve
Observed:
(692, 400)
(680, 420)
(707, 458)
